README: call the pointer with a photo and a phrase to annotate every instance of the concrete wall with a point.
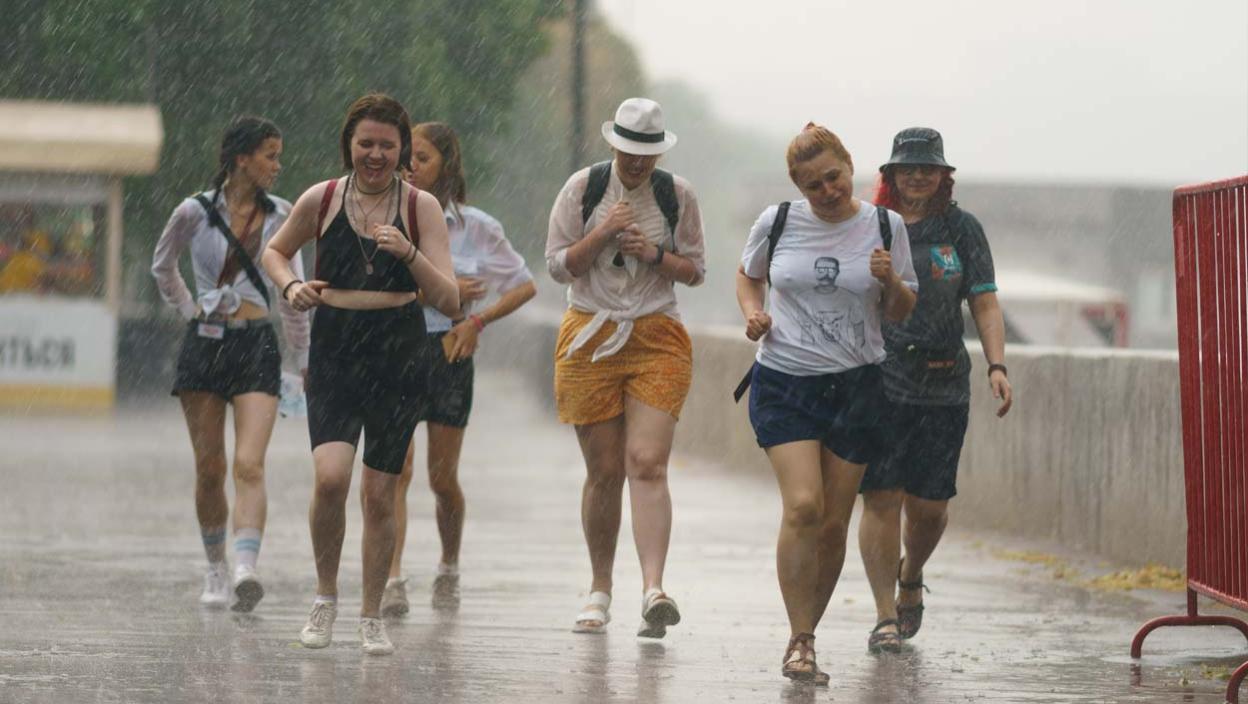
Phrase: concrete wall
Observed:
(1090, 455)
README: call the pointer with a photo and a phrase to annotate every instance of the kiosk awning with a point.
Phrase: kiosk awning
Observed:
(84, 138)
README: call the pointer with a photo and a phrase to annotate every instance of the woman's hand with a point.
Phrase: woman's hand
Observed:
(882, 267)
(470, 289)
(757, 325)
(634, 244)
(465, 336)
(391, 241)
(306, 295)
(619, 217)
(1001, 389)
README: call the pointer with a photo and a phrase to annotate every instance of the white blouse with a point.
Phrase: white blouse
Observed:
(189, 227)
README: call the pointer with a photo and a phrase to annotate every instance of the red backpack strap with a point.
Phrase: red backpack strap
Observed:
(414, 236)
(330, 186)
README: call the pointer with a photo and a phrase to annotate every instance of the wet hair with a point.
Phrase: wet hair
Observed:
(887, 196)
(244, 135)
(812, 141)
(451, 185)
(378, 107)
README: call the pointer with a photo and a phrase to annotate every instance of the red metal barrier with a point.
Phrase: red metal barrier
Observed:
(1211, 275)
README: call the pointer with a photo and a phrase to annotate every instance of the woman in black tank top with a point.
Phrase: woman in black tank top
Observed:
(384, 242)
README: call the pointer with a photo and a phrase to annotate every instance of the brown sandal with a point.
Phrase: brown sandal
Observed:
(799, 661)
(884, 641)
(909, 618)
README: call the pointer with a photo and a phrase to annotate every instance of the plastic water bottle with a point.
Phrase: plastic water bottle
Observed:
(293, 403)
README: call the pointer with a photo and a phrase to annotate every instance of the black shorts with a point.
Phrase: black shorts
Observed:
(924, 444)
(370, 377)
(448, 393)
(845, 411)
(244, 360)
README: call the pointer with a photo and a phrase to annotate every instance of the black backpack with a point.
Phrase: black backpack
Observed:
(661, 184)
(773, 238)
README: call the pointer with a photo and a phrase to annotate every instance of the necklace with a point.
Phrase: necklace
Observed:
(363, 221)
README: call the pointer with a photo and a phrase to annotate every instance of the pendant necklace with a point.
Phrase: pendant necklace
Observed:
(363, 220)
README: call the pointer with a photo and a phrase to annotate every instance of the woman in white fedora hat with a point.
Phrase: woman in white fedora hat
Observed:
(622, 234)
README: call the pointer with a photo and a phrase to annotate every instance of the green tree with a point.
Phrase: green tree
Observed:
(298, 62)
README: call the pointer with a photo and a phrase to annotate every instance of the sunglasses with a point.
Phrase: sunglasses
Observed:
(912, 169)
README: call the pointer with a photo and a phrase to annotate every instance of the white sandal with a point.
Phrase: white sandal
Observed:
(597, 611)
(658, 611)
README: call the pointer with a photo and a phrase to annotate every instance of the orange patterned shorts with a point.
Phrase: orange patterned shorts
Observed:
(655, 367)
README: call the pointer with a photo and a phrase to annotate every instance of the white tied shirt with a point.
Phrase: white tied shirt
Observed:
(825, 305)
(621, 293)
(189, 227)
(479, 249)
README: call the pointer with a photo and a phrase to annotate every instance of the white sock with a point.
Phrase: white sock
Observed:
(247, 546)
(322, 599)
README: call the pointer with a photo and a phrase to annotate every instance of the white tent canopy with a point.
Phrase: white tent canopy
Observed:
(84, 138)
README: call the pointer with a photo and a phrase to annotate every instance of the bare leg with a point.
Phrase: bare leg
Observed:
(879, 540)
(205, 420)
(602, 445)
(400, 511)
(796, 465)
(254, 415)
(648, 444)
(327, 515)
(445, 443)
(925, 524)
(840, 491)
(378, 488)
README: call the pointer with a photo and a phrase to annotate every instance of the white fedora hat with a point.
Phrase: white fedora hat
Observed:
(638, 128)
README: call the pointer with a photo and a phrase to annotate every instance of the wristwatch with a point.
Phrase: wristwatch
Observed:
(998, 367)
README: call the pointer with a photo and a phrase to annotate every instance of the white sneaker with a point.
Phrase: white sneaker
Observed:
(446, 587)
(319, 630)
(373, 638)
(394, 598)
(216, 592)
(247, 589)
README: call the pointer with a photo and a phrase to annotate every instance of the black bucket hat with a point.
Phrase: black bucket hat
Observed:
(918, 145)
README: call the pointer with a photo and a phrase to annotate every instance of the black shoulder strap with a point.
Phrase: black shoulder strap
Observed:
(886, 227)
(599, 176)
(664, 188)
(777, 229)
(235, 247)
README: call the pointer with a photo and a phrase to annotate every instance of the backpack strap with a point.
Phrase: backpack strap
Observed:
(414, 235)
(777, 229)
(595, 189)
(236, 248)
(326, 198)
(663, 186)
(886, 227)
(773, 238)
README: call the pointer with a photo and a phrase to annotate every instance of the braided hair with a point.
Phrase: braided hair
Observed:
(244, 136)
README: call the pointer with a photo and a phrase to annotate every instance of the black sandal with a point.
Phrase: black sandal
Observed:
(909, 618)
(884, 642)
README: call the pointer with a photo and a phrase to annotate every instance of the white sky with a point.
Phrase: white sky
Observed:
(1092, 90)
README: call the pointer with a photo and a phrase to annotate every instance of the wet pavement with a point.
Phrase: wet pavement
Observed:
(101, 567)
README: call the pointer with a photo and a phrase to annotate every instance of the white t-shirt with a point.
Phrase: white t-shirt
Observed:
(480, 249)
(825, 305)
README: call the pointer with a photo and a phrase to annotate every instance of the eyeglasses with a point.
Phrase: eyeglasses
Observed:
(912, 169)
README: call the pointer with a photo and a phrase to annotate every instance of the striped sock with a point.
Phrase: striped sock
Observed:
(247, 546)
(214, 543)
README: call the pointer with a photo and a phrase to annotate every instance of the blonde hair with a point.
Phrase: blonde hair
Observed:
(812, 141)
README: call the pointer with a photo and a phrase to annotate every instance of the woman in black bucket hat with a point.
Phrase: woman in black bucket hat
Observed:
(927, 380)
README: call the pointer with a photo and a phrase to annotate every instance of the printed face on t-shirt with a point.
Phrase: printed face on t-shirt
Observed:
(826, 271)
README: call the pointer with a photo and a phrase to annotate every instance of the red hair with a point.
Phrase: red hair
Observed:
(887, 196)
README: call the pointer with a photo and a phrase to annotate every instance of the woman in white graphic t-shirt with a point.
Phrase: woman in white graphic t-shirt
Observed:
(816, 394)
